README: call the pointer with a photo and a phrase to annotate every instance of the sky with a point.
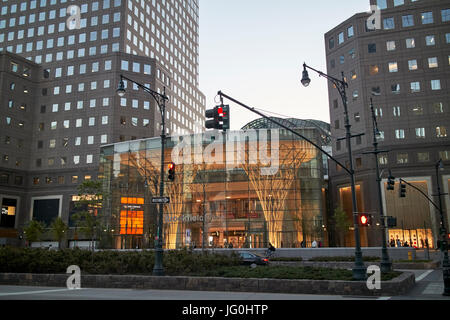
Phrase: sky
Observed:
(253, 51)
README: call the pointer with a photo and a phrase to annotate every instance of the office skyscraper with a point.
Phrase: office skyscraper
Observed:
(404, 65)
(58, 92)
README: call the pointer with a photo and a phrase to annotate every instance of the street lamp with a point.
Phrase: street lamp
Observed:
(443, 231)
(386, 264)
(359, 270)
(158, 269)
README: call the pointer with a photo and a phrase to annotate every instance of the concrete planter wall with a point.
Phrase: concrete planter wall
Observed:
(398, 286)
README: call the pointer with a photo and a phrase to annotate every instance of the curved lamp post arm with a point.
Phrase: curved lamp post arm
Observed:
(159, 98)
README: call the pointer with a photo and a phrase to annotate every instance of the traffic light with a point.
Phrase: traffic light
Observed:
(214, 123)
(219, 118)
(171, 176)
(364, 219)
(226, 117)
(402, 190)
(391, 183)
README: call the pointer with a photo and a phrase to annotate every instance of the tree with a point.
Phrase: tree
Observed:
(59, 229)
(342, 223)
(90, 203)
(33, 231)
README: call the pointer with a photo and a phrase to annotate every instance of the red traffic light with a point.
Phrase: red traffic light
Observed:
(364, 219)
(171, 167)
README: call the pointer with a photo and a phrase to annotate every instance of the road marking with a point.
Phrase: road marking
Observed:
(384, 298)
(423, 275)
(33, 292)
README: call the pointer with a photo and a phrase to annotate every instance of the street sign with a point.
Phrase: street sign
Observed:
(161, 200)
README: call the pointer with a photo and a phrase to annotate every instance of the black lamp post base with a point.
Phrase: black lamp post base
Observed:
(446, 272)
(359, 273)
(158, 269)
(386, 266)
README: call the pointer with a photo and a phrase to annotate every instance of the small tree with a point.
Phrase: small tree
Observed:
(342, 223)
(59, 230)
(33, 231)
(90, 203)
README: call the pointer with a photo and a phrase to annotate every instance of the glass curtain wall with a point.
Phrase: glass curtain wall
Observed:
(242, 189)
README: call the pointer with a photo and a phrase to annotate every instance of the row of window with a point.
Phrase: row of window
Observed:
(383, 4)
(33, 4)
(60, 179)
(414, 87)
(401, 158)
(400, 134)
(6, 178)
(388, 23)
(76, 160)
(77, 141)
(391, 45)
(405, 157)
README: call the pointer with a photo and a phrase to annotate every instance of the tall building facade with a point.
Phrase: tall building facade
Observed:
(401, 60)
(61, 63)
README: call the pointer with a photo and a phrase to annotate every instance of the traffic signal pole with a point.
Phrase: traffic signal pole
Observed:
(359, 270)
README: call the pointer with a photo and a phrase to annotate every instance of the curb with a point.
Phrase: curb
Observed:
(398, 286)
(349, 265)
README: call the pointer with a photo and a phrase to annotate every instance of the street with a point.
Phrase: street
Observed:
(429, 286)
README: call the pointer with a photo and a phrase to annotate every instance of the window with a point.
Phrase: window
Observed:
(402, 158)
(444, 155)
(341, 38)
(399, 3)
(390, 45)
(430, 40)
(393, 67)
(438, 107)
(383, 159)
(399, 134)
(417, 110)
(395, 88)
(435, 84)
(350, 32)
(441, 131)
(445, 15)
(408, 21)
(415, 87)
(396, 111)
(412, 65)
(373, 70)
(372, 47)
(382, 4)
(427, 17)
(388, 23)
(432, 62)
(420, 133)
(423, 156)
(331, 43)
(410, 43)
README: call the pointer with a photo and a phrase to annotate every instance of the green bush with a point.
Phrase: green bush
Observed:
(36, 260)
(176, 263)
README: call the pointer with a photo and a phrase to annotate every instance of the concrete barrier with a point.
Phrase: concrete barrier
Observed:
(397, 286)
